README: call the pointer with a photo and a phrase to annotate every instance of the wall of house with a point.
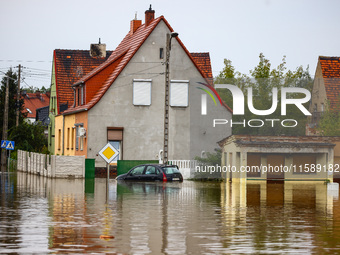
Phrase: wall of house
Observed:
(319, 96)
(143, 125)
(69, 135)
(53, 112)
(58, 149)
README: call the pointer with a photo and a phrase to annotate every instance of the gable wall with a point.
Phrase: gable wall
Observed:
(143, 125)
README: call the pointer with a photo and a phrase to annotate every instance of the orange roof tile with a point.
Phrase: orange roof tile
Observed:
(202, 60)
(330, 67)
(121, 56)
(70, 66)
(32, 102)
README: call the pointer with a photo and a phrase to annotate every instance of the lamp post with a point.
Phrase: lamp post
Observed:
(166, 101)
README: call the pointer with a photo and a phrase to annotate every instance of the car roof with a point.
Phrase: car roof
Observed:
(160, 165)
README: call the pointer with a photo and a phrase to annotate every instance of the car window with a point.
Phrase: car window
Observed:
(150, 170)
(138, 170)
(171, 170)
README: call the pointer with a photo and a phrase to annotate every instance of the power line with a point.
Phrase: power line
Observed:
(28, 61)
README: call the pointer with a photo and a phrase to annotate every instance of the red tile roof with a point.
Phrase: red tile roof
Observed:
(70, 66)
(330, 67)
(121, 57)
(202, 60)
(32, 101)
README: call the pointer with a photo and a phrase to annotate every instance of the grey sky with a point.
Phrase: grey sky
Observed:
(238, 30)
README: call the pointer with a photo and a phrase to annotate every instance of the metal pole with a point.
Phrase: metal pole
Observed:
(107, 182)
(5, 125)
(166, 102)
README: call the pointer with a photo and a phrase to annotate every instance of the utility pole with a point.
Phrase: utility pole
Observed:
(167, 98)
(166, 102)
(18, 98)
(5, 126)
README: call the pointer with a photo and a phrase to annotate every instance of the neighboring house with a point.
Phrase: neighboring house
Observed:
(43, 117)
(68, 67)
(32, 102)
(122, 101)
(326, 90)
(280, 157)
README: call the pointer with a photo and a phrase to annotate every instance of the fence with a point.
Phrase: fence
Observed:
(186, 167)
(51, 165)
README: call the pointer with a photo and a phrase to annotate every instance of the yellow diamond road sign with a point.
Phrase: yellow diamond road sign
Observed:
(108, 153)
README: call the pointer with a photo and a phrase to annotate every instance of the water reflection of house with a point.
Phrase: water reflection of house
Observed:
(280, 157)
(272, 214)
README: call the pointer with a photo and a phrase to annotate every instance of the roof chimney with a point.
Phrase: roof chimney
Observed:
(134, 25)
(98, 50)
(149, 16)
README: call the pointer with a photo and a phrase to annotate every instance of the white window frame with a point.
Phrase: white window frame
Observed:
(142, 101)
(173, 103)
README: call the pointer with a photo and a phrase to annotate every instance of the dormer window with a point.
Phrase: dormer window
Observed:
(79, 95)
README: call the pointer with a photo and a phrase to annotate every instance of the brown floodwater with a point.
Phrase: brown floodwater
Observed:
(41, 215)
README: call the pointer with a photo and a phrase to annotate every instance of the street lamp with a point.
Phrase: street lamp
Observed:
(166, 101)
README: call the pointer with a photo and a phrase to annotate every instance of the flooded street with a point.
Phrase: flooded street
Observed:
(41, 215)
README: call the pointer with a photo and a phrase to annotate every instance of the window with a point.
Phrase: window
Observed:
(79, 140)
(82, 140)
(78, 96)
(161, 53)
(116, 145)
(138, 170)
(68, 138)
(141, 92)
(179, 93)
(59, 139)
(72, 141)
(82, 95)
(150, 170)
(77, 137)
(171, 170)
(315, 107)
(115, 138)
(322, 107)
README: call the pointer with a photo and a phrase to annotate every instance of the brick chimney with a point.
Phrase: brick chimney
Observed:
(134, 25)
(98, 50)
(149, 16)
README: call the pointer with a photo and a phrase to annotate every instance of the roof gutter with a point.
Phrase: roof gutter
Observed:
(73, 112)
(78, 83)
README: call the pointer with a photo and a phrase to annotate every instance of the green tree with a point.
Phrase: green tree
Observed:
(29, 137)
(329, 124)
(262, 80)
(211, 159)
(12, 103)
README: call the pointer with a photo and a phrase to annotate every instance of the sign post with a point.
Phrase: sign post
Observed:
(8, 145)
(108, 153)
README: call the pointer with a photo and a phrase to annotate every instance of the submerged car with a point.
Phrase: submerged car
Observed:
(152, 172)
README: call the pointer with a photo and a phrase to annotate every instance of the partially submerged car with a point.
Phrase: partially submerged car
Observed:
(152, 172)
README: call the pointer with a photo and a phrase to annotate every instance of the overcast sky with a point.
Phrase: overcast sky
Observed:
(238, 30)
